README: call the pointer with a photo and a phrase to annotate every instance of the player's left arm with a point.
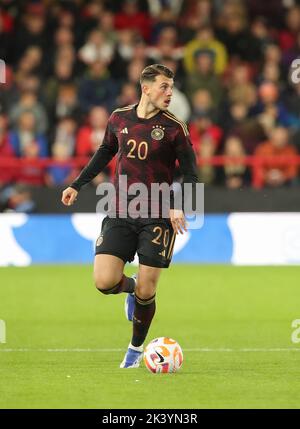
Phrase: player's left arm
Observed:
(187, 163)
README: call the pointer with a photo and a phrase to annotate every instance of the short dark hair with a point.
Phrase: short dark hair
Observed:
(150, 72)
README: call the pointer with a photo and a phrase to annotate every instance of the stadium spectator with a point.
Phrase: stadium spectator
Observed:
(123, 53)
(240, 87)
(202, 101)
(30, 172)
(31, 31)
(194, 15)
(9, 92)
(28, 102)
(204, 77)
(238, 123)
(165, 47)
(66, 103)
(271, 108)
(235, 173)
(28, 83)
(237, 38)
(291, 54)
(63, 49)
(176, 66)
(140, 52)
(6, 148)
(97, 87)
(90, 136)
(164, 21)
(89, 14)
(26, 132)
(63, 36)
(65, 18)
(156, 7)
(6, 151)
(129, 95)
(206, 170)
(205, 39)
(106, 24)
(273, 171)
(271, 73)
(134, 70)
(273, 9)
(63, 74)
(272, 54)
(67, 53)
(60, 174)
(288, 36)
(206, 138)
(130, 17)
(125, 45)
(261, 32)
(96, 47)
(202, 125)
(6, 34)
(179, 105)
(65, 134)
(292, 99)
(17, 198)
(31, 61)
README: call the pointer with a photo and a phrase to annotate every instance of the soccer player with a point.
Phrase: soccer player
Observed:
(147, 140)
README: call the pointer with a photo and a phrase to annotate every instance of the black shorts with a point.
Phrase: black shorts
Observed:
(152, 239)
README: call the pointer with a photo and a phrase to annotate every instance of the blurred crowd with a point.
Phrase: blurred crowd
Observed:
(70, 63)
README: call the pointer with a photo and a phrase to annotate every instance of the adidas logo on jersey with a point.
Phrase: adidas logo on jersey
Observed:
(124, 131)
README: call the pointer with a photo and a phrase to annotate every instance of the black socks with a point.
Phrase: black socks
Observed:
(143, 314)
(126, 284)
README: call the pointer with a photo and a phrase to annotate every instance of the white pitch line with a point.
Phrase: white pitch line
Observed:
(197, 350)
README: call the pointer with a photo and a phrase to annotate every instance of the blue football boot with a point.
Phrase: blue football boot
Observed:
(133, 357)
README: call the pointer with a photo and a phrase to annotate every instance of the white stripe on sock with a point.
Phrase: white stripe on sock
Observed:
(137, 349)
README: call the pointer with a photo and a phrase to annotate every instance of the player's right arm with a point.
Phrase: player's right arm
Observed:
(100, 159)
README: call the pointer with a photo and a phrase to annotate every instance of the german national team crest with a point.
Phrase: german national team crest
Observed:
(158, 132)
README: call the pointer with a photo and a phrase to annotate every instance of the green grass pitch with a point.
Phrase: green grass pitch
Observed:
(65, 340)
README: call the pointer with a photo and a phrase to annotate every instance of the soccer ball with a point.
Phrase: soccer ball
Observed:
(163, 355)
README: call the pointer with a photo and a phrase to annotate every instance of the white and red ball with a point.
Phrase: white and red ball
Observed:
(163, 354)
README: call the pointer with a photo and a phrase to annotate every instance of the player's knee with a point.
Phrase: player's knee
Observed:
(107, 285)
(146, 291)
(102, 284)
(105, 290)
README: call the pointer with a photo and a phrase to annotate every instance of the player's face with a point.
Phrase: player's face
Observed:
(160, 92)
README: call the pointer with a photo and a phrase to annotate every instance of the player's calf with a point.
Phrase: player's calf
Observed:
(130, 303)
(143, 314)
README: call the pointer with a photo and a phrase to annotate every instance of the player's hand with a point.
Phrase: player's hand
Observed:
(178, 221)
(69, 196)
